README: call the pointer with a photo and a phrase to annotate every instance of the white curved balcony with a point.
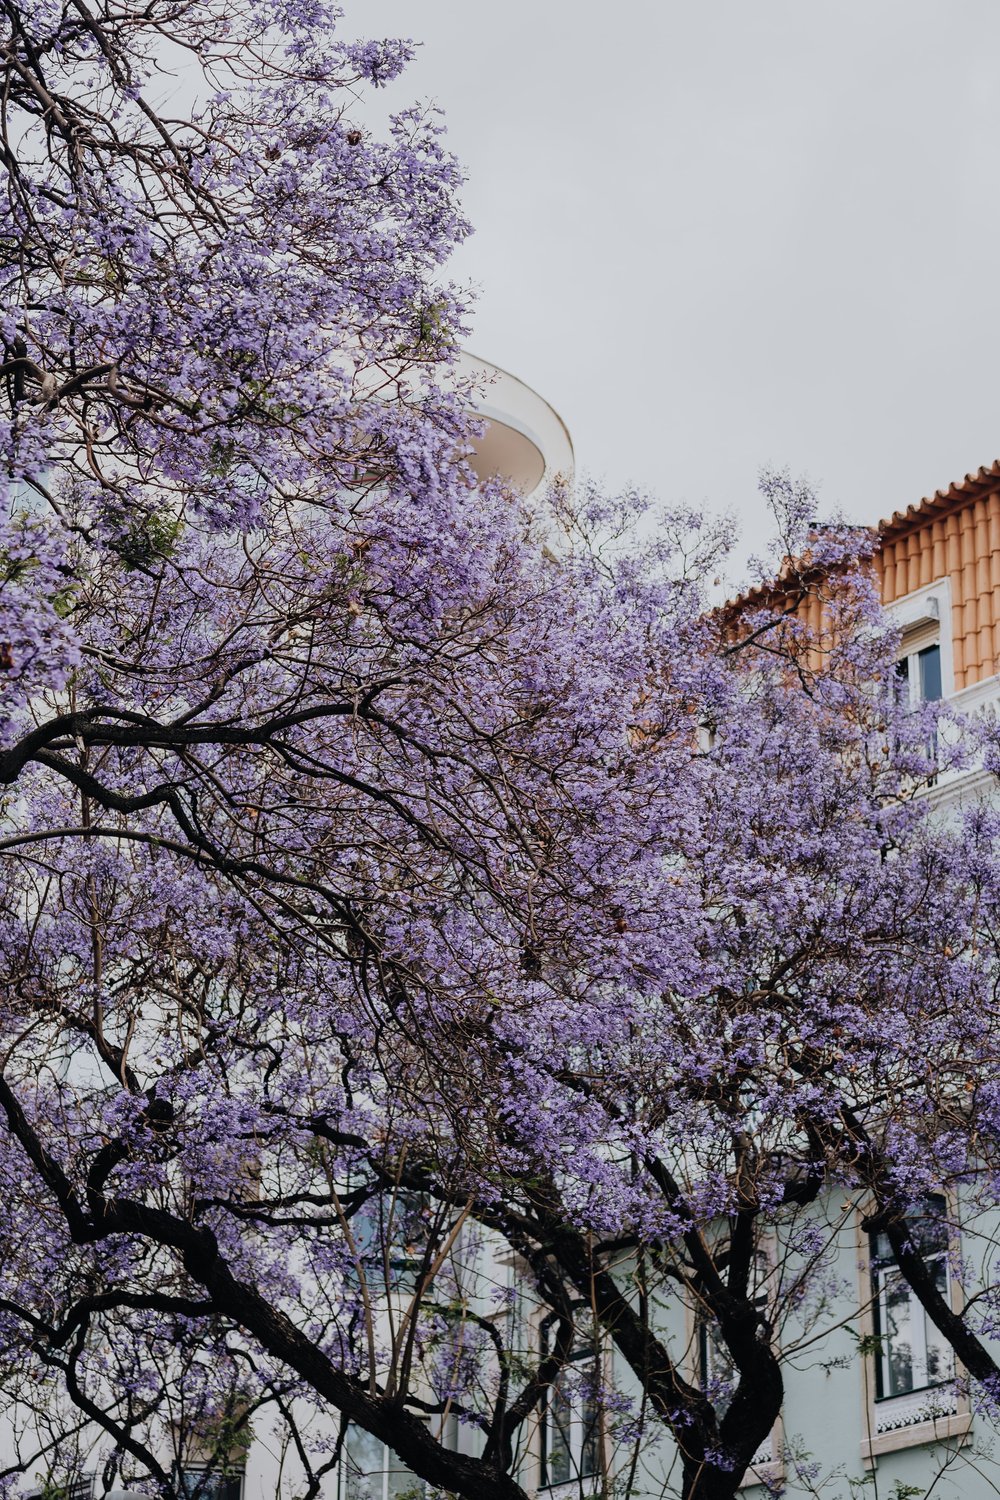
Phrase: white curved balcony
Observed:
(526, 441)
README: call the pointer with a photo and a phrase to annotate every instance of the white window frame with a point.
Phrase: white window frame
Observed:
(82, 1487)
(217, 1474)
(927, 1414)
(767, 1467)
(378, 1479)
(884, 1274)
(924, 619)
(584, 1428)
(912, 656)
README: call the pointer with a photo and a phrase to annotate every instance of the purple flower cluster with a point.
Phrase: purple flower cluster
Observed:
(419, 956)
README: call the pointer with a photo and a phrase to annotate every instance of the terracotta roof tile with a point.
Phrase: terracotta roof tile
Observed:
(954, 545)
(972, 487)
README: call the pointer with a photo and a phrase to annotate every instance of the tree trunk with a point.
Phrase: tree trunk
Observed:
(708, 1482)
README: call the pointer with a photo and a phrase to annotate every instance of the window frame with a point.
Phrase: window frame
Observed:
(391, 1464)
(83, 1487)
(406, 1260)
(883, 1271)
(767, 1467)
(216, 1475)
(914, 675)
(923, 619)
(585, 1424)
(937, 1428)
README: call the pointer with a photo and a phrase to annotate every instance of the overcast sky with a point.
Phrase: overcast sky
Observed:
(717, 234)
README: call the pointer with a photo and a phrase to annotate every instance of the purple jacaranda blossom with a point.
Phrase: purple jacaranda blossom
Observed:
(437, 945)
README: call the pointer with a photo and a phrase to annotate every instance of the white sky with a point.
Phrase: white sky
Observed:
(717, 234)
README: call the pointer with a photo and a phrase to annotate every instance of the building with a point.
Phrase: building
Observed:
(877, 1404)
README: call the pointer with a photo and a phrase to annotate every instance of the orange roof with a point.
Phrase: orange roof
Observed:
(982, 482)
(955, 533)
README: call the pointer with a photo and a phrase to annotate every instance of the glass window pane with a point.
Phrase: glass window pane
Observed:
(928, 1226)
(930, 673)
(718, 1373)
(403, 1483)
(940, 1355)
(588, 1450)
(903, 681)
(362, 1465)
(570, 1420)
(897, 1335)
(199, 1484)
(881, 1248)
(390, 1231)
(926, 1229)
(557, 1439)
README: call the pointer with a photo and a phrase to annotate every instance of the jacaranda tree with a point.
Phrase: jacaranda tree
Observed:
(425, 951)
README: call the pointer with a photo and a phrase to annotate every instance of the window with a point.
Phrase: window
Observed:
(80, 1487)
(911, 1355)
(390, 1234)
(369, 1470)
(919, 675)
(919, 680)
(569, 1421)
(924, 621)
(717, 1373)
(718, 1376)
(195, 1483)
